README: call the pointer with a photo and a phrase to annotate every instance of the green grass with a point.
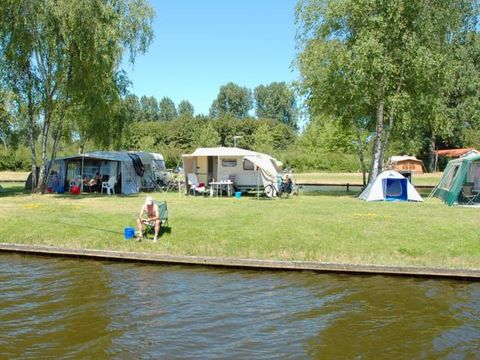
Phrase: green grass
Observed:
(327, 228)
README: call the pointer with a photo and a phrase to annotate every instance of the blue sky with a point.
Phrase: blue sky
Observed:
(202, 45)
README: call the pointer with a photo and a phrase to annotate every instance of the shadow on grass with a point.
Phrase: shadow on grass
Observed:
(84, 196)
(352, 194)
(13, 190)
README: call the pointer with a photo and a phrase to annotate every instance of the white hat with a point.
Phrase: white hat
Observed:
(148, 200)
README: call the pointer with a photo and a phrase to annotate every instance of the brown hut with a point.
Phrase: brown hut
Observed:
(406, 163)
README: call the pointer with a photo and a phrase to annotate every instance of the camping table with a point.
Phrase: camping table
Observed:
(219, 184)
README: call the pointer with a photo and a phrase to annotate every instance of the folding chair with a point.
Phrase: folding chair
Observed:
(469, 195)
(163, 212)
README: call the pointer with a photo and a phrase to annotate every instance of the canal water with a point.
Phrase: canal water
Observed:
(78, 309)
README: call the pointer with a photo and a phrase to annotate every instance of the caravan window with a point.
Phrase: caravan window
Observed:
(229, 162)
(248, 165)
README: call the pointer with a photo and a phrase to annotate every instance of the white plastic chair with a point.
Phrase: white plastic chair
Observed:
(109, 185)
(194, 184)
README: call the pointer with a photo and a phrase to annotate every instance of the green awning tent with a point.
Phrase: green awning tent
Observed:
(458, 172)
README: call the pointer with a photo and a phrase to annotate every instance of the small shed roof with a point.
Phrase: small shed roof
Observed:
(394, 159)
(456, 152)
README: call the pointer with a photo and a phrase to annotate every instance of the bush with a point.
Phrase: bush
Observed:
(304, 161)
(15, 160)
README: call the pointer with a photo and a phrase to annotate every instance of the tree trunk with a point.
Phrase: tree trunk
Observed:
(376, 165)
(431, 155)
(42, 181)
(360, 154)
(386, 136)
(4, 143)
(31, 128)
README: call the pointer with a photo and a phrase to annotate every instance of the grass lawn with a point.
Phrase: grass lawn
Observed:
(326, 228)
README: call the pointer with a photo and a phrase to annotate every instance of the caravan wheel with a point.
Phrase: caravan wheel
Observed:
(270, 190)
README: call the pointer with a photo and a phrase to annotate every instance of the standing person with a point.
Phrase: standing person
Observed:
(149, 215)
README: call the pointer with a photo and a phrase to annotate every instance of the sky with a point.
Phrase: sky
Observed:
(202, 45)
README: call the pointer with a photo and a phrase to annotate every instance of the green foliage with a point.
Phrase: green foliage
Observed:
(206, 135)
(15, 160)
(263, 139)
(329, 135)
(149, 108)
(378, 65)
(232, 100)
(168, 110)
(276, 101)
(319, 160)
(185, 109)
(132, 108)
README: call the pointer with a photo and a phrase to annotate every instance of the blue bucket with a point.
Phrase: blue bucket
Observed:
(238, 194)
(129, 233)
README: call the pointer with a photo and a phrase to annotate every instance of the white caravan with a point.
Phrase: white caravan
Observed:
(247, 169)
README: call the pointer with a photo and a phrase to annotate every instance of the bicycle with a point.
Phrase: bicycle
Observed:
(281, 188)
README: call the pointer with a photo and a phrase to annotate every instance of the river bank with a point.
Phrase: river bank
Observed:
(331, 229)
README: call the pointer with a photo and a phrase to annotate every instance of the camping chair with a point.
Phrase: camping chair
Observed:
(109, 185)
(194, 185)
(468, 194)
(233, 180)
(163, 212)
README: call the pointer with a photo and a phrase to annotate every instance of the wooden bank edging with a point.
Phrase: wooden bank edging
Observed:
(242, 263)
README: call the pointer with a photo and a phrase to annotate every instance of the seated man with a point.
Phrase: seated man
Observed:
(287, 185)
(95, 182)
(149, 215)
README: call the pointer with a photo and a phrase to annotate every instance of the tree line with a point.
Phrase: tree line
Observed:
(273, 101)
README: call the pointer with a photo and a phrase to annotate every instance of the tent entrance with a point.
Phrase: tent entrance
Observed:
(395, 189)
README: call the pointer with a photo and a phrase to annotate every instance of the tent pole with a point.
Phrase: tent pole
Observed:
(81, 178)
(258, 183)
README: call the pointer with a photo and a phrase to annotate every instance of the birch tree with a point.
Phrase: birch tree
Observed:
(367, 62)
(59, 56)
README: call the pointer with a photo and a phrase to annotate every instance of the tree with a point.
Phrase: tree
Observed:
(206, 136)
(185, 109)
(373, 64)
(167, 109)
(276, 101)
(5, 118)
(131, 105)
(149, 108)
(232, 100)
(263, 139)
(60, 56)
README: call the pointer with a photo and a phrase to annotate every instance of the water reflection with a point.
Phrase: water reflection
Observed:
(51, 307)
